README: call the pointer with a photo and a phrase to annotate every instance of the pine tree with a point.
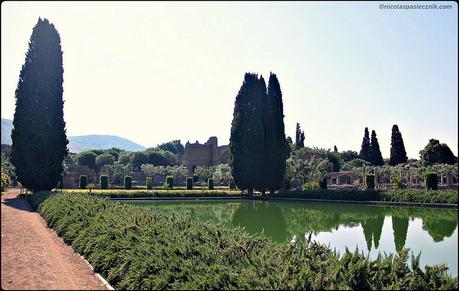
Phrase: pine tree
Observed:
(275, 147)
(375, 153)
(247, 134)
(397, 149)
(365, 150)
(299, 137)
(39, 141)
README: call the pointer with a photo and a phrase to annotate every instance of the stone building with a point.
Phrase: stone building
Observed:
(207, 154)
(341, 178)
(73, 173)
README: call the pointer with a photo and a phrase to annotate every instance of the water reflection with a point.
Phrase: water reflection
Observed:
(370, 228)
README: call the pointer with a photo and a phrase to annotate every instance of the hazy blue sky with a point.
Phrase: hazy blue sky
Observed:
(153, 72)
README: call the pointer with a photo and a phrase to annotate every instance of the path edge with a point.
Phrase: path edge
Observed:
(99, 276)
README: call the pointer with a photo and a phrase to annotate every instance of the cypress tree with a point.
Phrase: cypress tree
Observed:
(375, 153)
(275, 147)
(365, 149)
(299, 137)
(247, 134)
(39, 141)
(335, 149)
(397, 149)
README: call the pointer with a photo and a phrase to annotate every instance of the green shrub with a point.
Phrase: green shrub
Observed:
(165, 186)
(310, 185)
(149, 183)
(210, 184)
(323, 183)
(397, 181)
(83, 181)
(170, 182)
(60, 185)
(370, 181)
(189, 183)
(103, 182)
(232, 186)
(136, 248)
(5, 181)
(431, 181)
(128, 182)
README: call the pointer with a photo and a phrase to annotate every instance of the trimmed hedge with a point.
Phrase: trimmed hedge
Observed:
(103, 182)
(323, 183)
(395, 195)
(83, 181)
(210, 184)
(189, 183)
(370, 181)
(149, 183)
(431, 181)
(170, 182)
(128, 182)
(135, 248)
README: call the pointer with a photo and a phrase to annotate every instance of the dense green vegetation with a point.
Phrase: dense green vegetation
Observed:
(137, 249)
(436, 153)
(258, 147)
(39, 141)
(159, 193)
(397, 147)
(396, 195)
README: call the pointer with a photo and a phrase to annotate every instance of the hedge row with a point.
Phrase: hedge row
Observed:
(134, 248)
(159, 193)
(396, 195)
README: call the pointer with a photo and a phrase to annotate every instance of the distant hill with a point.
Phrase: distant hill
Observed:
(82, 142)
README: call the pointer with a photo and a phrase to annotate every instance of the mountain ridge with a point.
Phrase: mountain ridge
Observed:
(80, 143)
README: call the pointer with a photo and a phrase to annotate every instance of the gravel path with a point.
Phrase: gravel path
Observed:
(34, 257)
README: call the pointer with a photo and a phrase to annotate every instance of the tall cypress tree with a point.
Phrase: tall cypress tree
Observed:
(365, 149)
(275, 147)
(375, 153)
(299, 137)
(397, 149)
(247, 134)
(39, 142)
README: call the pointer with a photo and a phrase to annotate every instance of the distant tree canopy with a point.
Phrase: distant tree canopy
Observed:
(175, 147)
(347, 156)
(258, 147)
(104, 160)
(87, 158)
(397, 149)
(299, 137)
(39, 141)
(436, 153)
(160, 157)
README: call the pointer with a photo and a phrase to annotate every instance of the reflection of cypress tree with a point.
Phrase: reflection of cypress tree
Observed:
(377, 230)
(256, 216)
(372, 228)
(367, 232)
(438, 229)
(400, 227)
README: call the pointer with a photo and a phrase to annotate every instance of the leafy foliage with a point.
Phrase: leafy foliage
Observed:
(170, 182)
(39, 141)
(299, 136)
(149, 183)
(431, 181)
(436, 153)
(189, 183)
(5, 181)
(375, 153)
(83, 181)
(210, 184)
(370, 181)
(365, 149)
(128, 182)
(136, 248)
(87, 158)
(175, 147)
(103, 182)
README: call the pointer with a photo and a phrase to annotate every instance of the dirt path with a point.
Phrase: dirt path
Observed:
(34, 257)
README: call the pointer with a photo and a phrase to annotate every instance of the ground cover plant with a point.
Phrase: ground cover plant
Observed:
(135, 248)
(395, 195)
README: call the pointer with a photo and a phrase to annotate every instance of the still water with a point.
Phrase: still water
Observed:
(371, 229)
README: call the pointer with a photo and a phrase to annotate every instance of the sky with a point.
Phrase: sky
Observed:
(154, 72)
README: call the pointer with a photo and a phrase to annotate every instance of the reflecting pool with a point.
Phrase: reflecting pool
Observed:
(371, 229)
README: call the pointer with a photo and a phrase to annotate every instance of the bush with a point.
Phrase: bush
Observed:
(310, 185)
(128, 182)
(189, 183)
(397, 181)
(135, 248)
(370, 181)
(149, 183)
(83, 181)
(323, 183)
(210, 184)
(431, 181)
(60, 185)
(170, 182)
(5, 181)
(103, 182)
(232, 186)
